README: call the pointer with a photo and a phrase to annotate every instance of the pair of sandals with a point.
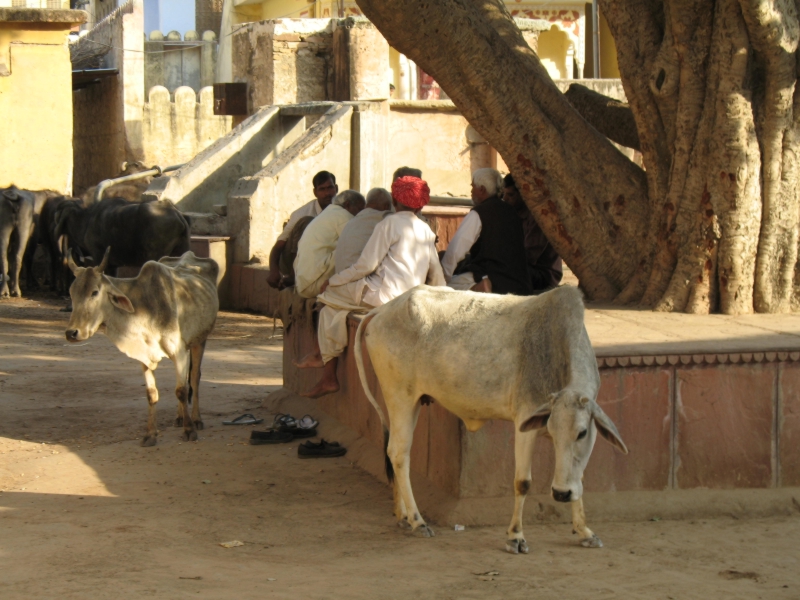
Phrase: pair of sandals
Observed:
(285, 428)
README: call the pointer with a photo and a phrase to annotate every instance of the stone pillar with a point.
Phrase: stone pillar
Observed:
(132, 78)
(369, 63)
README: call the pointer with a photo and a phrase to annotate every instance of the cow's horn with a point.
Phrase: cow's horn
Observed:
(71, 263)
(124, 165)
(104, 262)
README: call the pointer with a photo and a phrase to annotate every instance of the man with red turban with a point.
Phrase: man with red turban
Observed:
(400, 254)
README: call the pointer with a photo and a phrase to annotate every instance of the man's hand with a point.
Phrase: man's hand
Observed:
(324, 286)
(274, 278)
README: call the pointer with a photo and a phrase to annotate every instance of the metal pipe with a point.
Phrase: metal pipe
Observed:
(155, 171)
(595, 40)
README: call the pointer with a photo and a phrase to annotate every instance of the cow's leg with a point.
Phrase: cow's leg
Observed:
(181, 360)
(588, 538)
(523, 457)
(152, 399)
(194, 381)
(19, 257)
(403, 413)
(5, 238)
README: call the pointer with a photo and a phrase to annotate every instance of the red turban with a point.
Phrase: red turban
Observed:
(411, 191)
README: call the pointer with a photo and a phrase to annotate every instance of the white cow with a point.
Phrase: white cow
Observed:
(167, 311)
(482, 356)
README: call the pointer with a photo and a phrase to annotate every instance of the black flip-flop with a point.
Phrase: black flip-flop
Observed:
(245, 419)
(322, 449)
(270, 436)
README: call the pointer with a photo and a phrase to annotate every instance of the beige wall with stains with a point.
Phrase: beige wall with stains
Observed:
(36, 100)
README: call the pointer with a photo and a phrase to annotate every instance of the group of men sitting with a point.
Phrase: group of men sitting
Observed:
(353, 254)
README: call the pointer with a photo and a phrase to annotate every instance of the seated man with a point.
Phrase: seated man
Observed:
(492, 235)
(280, 266)
(544, 263)
(314, 263)
(399, 255)
(358, 230)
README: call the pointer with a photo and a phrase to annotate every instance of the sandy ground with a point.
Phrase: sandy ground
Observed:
(87, 513)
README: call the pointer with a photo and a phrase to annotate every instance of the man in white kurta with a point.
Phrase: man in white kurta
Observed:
(314, 263)
(400, 254)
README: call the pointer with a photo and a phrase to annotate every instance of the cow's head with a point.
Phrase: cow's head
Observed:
(94, 297)
(572, 421)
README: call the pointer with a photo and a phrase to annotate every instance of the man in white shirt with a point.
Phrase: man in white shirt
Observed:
(325, 189)
(358, 230)
(400, 254)
(314, 263)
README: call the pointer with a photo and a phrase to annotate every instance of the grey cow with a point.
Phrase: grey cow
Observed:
(167, 311)
(483, 356)
(17, 209)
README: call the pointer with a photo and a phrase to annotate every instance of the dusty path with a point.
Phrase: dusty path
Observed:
(86, 513)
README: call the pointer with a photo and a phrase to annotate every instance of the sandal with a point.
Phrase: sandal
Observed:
(270, 436)
(307, 422)
(287, 420)
(245, 419)
(321, 450)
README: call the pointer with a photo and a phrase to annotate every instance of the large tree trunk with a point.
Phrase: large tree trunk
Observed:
(712, 222)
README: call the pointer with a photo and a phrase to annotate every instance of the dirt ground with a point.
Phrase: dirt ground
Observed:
(85, 512)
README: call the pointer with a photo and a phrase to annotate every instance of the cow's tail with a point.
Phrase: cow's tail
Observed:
(365, 384)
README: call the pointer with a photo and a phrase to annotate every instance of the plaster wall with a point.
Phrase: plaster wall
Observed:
(36, 104)
(176, 129)
(174, 62)
(434, 141)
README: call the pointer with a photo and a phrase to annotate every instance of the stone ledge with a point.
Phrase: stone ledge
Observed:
(730, 358)
(43, 15)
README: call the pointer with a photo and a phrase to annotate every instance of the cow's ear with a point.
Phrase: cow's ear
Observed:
(538, 419)
(120, 300)
(11, 194)
(607, 428)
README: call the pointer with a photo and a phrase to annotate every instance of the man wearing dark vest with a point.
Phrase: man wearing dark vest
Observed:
(491, 240)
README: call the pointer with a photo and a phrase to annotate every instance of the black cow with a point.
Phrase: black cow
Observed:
(135, 232)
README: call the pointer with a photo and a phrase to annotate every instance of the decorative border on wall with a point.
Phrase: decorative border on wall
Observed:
(730, 358)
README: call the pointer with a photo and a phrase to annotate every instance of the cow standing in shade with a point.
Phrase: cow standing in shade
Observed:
(485, 356)
(167, 311)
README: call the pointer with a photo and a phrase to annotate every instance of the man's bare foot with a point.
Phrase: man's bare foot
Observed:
(322, 388)
(309, 361)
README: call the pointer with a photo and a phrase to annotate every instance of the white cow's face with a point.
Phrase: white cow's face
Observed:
(572, 421)
(92, 296)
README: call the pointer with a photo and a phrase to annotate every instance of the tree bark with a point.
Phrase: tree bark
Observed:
(712, 222)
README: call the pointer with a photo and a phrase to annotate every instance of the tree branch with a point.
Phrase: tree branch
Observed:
(610, 117)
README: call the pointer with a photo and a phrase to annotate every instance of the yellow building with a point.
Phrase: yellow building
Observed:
(36, 97)
(566, 49)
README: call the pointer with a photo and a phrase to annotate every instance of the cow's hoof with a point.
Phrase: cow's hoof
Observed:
(423, 531)
(199, 425)
(189, 436)
(178, 422)
(517, 546)
(149, 440)
(592, 542)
